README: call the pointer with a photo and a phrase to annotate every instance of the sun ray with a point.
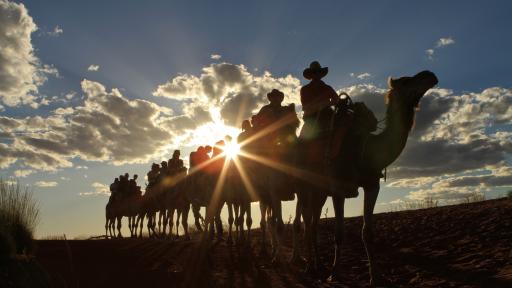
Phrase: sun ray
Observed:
(246, 180)
(311, 177)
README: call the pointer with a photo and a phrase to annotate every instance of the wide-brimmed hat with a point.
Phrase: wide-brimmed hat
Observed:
(315, 69)
(275, 95)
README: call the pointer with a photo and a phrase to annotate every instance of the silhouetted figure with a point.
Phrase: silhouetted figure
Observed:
(132, 186)
(153, 175)
(175, 164)
(317, 98)
(114, 190)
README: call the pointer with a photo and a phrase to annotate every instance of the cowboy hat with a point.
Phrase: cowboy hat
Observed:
(275, 95)
(315, 69)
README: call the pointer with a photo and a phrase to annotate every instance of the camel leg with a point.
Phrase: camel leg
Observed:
(339, 214)
(141, 219)
(307, 216)
(130, 226)
(197, 217)
(170, 216)
(151, 224)
(119, 235)
(248, 222)
(133, 228)
(239, 222)
(296, 230)
(263, 227)
(230, 223)
(178, 214)
(237, 225)
(160, 220)
(106, 226)
(371, 192)
(184, 221)
(112, 227)
(165, 221)
(317, 213)
(275, 231)
(218, 222)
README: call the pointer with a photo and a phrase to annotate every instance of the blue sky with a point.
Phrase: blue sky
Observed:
(142, 46)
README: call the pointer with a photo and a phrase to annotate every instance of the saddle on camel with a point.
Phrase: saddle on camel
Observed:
(323, 110)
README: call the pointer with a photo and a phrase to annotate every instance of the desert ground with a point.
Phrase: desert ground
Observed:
(466, 245)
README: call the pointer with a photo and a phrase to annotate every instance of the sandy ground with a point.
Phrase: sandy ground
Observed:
(466, 245)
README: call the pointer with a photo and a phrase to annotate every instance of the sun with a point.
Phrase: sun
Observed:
(231, 149)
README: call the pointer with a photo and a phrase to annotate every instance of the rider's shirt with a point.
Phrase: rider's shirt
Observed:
(315, 96)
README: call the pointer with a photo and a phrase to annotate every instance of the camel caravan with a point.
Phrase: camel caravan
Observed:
(336, 152)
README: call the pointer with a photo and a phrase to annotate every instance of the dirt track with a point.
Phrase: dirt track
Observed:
(466, 245)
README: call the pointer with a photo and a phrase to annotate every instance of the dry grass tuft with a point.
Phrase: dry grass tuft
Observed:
(19, 216)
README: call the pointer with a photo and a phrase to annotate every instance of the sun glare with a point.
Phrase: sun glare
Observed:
(231, 149)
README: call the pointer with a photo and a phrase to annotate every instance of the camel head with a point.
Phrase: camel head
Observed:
(409, 90)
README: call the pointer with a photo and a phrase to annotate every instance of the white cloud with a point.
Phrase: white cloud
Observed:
(99, 189)
(21, 72)
(57, 30)
(215, 56)
(361, 76)
(93, 67)
(445, 42)
(23, 172)
(442, 42)
(46, 184)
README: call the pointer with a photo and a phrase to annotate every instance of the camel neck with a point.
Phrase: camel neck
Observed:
(390, 143)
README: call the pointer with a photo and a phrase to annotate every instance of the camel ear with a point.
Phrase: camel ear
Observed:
(390, 82)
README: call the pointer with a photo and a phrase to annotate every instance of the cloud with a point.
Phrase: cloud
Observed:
(442, 42)
(99, 189)
(226, 88)
(21, 72)
(46, 184)
(57, 30)
(361, 76)
(215, 56)
(98, 130)
(445, 42)
(412, 182)
(93, 67)
(23, 173)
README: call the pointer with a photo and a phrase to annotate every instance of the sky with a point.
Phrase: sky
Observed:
(93, 89)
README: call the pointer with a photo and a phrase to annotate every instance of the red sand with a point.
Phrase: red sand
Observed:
(454, 246)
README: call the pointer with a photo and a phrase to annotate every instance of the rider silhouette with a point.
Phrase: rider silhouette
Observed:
(317, 99)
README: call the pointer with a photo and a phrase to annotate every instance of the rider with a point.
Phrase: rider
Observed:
(317, 98)
(114, 189)
(153, 175)
(175, 163)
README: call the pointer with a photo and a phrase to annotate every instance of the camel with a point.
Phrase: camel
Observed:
(151, 203)
(177, 199)
(378, 152)
(123, 207)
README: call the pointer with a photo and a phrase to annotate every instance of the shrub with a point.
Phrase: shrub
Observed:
(509, 194)
(19, 216)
